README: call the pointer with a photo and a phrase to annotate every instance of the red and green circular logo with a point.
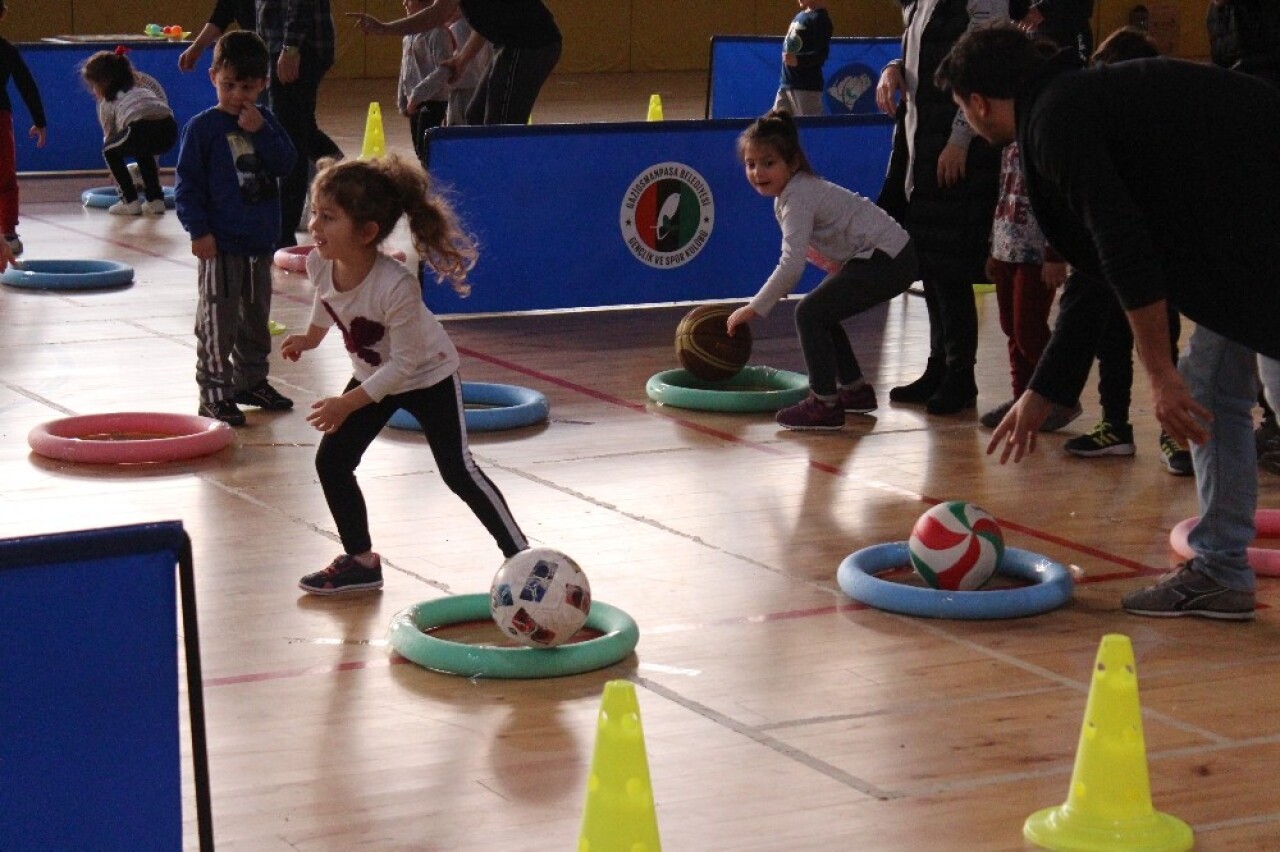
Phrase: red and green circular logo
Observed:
(667, 215)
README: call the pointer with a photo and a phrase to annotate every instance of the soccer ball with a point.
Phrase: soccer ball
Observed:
(956, 546)
(540, 597)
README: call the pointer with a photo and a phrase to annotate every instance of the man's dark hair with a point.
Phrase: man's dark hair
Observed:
(244, 52)
(1124, 44)
(995, 62)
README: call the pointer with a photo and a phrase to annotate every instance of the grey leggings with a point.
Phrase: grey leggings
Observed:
(860, 284)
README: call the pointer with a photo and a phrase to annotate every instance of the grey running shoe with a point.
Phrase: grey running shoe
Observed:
(1187, 592)
(1059, 417)
(992, 418)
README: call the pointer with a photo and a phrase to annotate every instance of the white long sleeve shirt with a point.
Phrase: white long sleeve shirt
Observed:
(836, 223)
(396, 344)
(420, 57)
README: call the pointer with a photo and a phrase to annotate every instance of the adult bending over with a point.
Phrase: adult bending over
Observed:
(1149, 176)
(526, 43)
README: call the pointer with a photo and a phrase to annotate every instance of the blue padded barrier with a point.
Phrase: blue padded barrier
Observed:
(89, 723)
(744, 71)
(75, 137)
(588, 215)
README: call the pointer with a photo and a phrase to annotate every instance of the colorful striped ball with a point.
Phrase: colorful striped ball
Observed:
(956, 546)
(705, 348)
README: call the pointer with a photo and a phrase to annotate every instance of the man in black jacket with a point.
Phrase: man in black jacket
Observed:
(1161, 179)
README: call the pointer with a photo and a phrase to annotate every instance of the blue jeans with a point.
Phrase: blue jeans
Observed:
(1223, 377)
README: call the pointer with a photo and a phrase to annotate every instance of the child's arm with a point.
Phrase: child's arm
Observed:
(455, 64)
(430, 55)
(436, 14)
(30, 94)
(295, 344)
(269, 140)
(331, 412)
(191, 195)
(796, 218)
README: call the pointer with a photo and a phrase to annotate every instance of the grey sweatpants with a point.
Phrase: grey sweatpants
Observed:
(233, 341)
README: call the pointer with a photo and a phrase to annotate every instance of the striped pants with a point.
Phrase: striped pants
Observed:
(233, 341)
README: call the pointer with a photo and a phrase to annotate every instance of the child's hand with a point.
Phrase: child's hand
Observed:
(251, 119)
(741, 316)
(990, 269)
(38, 134)
(205, 248)
(329, 413)
(1054, 274)
(293, 347)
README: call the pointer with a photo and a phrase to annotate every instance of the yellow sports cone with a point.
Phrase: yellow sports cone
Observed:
(619, 814)
(1109, 804)
(375, 142)
(655, 107)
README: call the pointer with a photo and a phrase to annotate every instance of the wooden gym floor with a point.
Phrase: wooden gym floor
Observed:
(777, 714)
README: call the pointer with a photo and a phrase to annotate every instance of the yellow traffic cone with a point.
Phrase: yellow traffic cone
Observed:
(1109, 804)
(655, 107)
(375, 142)
(619, 814)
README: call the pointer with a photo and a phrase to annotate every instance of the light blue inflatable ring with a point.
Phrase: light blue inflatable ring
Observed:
(406, 636)
(105, 196)
(753, 389)
(513, 407)
(67, 274)
(1050, 588)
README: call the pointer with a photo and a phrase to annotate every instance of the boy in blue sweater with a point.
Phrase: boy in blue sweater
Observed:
(227, 199)
(804, 52)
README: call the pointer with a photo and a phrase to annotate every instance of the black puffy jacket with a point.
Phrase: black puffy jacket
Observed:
(951, 227)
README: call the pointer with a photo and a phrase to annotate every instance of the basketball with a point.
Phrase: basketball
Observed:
(540, 597)
(956, 546)
(705, 348)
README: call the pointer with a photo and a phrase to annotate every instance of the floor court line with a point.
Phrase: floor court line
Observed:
(1089, 550)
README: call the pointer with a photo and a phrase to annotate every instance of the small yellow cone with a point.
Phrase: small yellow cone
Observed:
(655, 107)
(619, 815)
(1109, 804)
(375, 141)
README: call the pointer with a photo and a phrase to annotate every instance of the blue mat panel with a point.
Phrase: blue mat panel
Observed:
(89, 736)
(744, 71)
(75, 136)
(588, 215)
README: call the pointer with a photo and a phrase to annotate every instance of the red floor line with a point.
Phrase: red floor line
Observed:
(820, 466)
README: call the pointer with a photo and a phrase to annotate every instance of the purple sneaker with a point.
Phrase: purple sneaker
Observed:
(860, 401)
(812, 415)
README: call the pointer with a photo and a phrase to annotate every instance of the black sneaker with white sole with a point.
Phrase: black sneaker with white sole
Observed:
(224, 410)
(263, 396)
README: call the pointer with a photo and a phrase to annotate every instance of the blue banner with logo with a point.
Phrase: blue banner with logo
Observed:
(745, 70)
(589, 215)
